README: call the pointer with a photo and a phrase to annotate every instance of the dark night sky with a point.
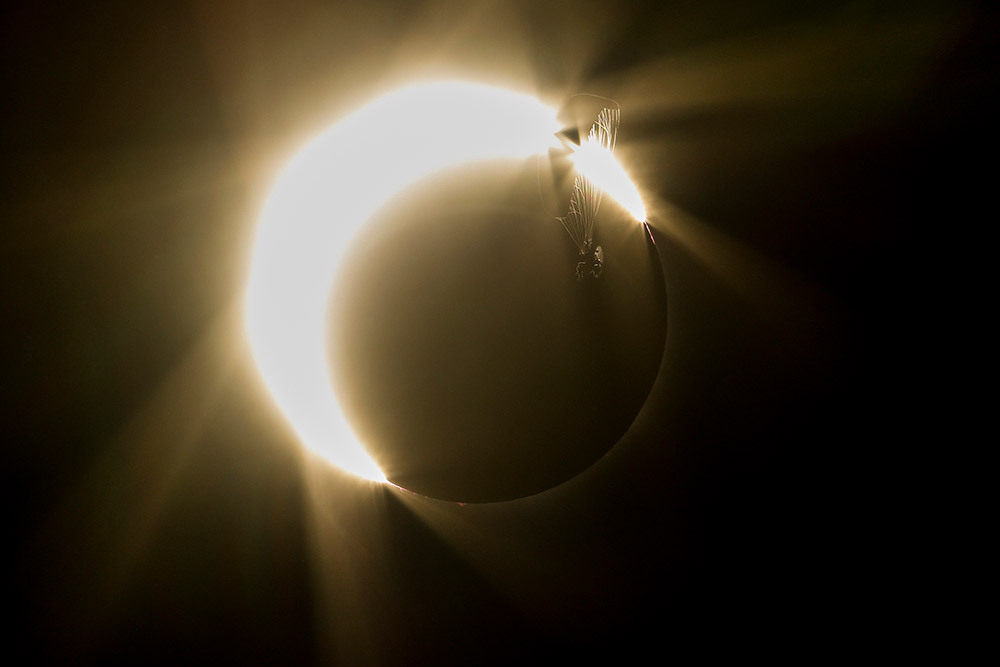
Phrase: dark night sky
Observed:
(794, 160)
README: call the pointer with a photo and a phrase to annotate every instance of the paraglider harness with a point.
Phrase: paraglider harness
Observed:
(591, 262)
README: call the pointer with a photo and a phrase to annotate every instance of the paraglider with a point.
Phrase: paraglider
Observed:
(585, 199)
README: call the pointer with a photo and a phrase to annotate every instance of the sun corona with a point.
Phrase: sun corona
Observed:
(322, 198)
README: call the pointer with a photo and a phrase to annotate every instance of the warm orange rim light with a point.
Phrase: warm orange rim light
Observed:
(326, 193)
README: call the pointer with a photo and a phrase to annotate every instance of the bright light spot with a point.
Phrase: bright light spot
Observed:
(320, 201)
(599, 165)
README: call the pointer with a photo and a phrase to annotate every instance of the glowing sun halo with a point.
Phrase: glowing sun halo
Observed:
(326, 193)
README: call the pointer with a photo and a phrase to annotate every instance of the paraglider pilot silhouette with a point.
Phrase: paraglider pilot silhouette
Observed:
(585, 200)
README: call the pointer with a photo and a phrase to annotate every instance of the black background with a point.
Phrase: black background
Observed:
(805, 168)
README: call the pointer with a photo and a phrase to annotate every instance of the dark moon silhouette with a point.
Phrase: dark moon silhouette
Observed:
(466, 354)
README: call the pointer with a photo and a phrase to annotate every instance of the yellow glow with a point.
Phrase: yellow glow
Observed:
(599, 165)
(329, 189)
(320, 201)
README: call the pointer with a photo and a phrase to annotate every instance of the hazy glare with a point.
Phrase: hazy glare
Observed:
(325, 195)
(328, 191)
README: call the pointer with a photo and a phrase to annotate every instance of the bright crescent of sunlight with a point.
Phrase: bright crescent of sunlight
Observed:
(330, 188)
(600, 166)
